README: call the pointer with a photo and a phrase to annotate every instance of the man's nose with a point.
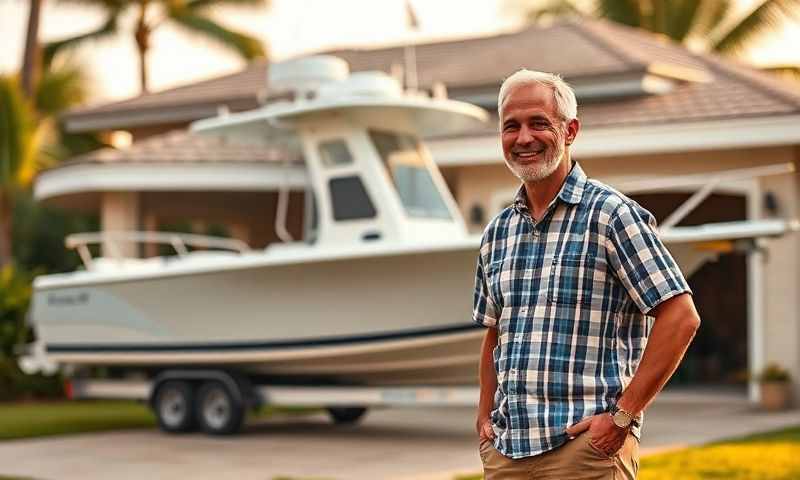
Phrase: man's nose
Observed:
(525, 135)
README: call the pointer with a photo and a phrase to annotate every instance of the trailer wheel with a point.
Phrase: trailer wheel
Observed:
(173, 407)
(217, 410)
(346, 415)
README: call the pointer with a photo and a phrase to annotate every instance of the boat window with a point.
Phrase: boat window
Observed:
(334, 153)
(350, 199)
(411, 176)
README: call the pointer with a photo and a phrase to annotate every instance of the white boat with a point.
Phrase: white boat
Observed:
(377, 292)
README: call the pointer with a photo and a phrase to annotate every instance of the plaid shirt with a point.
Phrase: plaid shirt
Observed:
(569, 295)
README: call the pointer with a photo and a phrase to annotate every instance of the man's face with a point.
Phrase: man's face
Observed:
(534, 136)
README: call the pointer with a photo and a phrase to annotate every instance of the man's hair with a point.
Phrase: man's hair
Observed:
(566, 104)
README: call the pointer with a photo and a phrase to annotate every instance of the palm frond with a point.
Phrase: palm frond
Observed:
(197, 5)
(246, 46)
(769, 15)
(710, 15)
(626, 12)
(108, 28)
(786, 72)
(555, 8)
(59, 89)
(19, 136)
(681, 16)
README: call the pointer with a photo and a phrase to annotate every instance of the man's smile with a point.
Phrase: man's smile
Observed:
(528, 156)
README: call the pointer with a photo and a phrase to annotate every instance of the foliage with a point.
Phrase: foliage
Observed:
(39, 232)
(24, 420)
(193, 16)
(773, 373)
(38, 419)
(709, 22)
(21, 138)
(770, 456)
(15, 293)
(29, 141)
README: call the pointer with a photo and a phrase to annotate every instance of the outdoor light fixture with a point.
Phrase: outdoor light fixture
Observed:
(121, 139)
(476, 215)
(771, 204)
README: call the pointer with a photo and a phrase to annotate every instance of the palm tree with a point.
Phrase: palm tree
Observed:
(195, 16)
(708, 22)
(31, 57)
(28, 137)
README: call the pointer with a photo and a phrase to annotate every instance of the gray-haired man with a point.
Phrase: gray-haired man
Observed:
(567, 279)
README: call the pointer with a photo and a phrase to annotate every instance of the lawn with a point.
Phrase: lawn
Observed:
(24, 420)
(37, 419)
(769, 456)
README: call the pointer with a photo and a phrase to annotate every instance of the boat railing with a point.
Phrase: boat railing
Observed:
(180, 243)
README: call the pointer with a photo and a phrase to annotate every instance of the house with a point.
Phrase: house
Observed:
(694, 138)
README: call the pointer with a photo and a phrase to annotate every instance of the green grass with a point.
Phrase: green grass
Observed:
(768, 456)
(38, 419)
(25, 420)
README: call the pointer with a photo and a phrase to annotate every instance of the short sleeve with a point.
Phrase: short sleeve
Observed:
(640, 260)
(484, 309)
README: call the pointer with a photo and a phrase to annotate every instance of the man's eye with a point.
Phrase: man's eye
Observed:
(541, 125)
(510, 128)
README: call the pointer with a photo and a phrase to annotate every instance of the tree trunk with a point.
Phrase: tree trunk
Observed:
(32, 56)
(6, 219)
(142, 43)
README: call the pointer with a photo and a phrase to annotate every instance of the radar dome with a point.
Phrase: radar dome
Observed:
(305, 75)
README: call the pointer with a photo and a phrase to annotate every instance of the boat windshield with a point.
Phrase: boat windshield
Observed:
(410, 174)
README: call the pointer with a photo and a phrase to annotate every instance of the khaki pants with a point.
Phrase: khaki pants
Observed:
(575, 460)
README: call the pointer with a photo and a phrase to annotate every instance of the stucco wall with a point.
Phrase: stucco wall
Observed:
(781, 284)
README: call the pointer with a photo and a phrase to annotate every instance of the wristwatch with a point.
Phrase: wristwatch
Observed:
(621, 418)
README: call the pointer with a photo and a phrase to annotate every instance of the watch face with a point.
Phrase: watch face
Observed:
(621, 420)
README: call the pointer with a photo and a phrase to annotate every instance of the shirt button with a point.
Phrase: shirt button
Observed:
(518, 337)
(523, 311)
(513, 371)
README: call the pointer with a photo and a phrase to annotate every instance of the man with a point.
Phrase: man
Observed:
(568, 280)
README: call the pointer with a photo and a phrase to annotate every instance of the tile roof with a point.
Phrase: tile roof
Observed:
(183, 147)
(579, 51)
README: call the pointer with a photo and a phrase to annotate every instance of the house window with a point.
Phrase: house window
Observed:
(334, 153)
(350, 199)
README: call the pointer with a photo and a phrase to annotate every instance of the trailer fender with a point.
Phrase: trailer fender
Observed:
(239, 386)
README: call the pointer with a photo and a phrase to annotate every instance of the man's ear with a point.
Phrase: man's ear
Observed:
(573, 127)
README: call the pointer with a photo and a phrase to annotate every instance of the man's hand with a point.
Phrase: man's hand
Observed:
(605, 436)
(485, 431)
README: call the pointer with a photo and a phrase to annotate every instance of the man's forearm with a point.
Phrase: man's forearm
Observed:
(487, 375)
(674, 327)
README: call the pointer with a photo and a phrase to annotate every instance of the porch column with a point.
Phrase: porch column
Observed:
(120, 212)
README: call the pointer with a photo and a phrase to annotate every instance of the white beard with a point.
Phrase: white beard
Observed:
(537, 171)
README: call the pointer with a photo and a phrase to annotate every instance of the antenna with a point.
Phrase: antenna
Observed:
(410, 51)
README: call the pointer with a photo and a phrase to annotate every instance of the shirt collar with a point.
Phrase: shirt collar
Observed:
(571, 191)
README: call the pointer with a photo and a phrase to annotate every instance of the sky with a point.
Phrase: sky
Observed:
(288, 27)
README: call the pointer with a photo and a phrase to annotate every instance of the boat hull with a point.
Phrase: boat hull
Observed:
(391, 319)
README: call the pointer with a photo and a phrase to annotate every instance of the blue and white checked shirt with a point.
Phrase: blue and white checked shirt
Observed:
(569, 295)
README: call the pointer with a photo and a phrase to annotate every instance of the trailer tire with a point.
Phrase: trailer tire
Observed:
(217, 410)
(173, 405)
(346, 415)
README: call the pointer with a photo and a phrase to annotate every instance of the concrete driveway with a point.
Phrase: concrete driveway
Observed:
(390, 444)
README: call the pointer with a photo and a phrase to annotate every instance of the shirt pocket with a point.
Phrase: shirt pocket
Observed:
(571, 280)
